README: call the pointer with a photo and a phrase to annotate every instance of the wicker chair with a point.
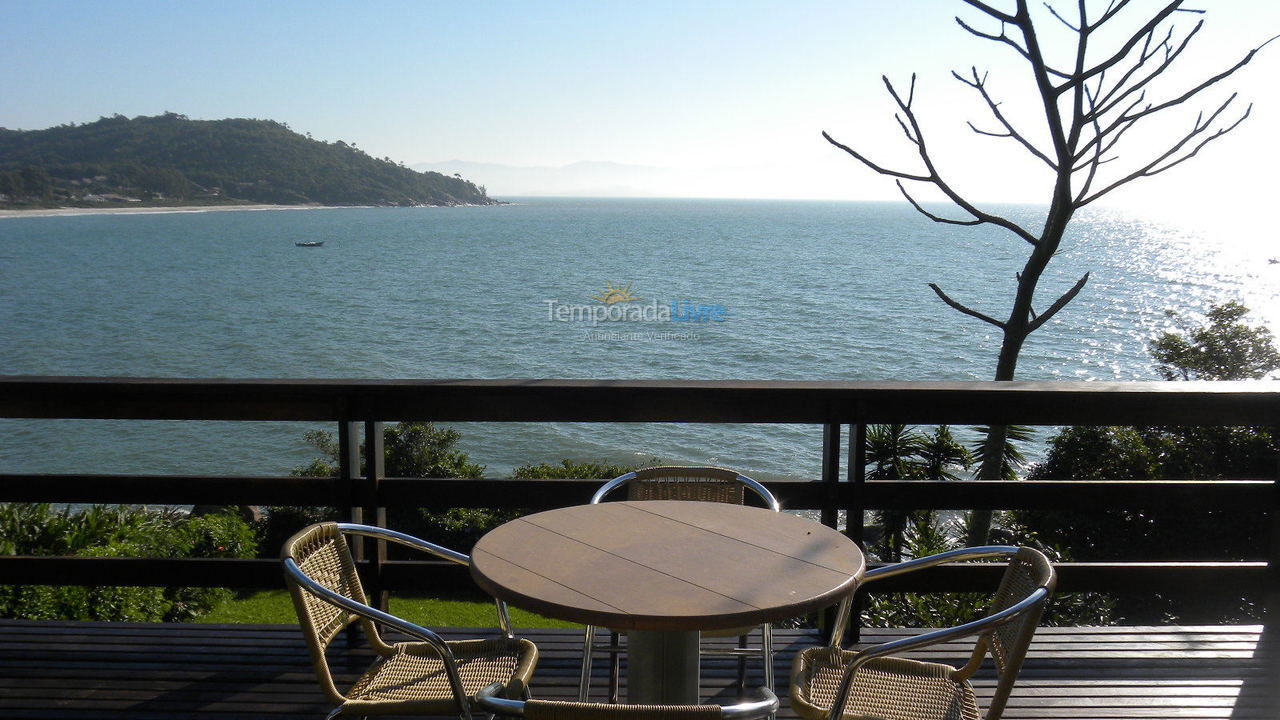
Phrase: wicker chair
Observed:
(489, 700)
(869, 684)
(707, 484)
(429, 677)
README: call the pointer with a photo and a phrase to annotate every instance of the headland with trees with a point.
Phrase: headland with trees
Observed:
(170, 159)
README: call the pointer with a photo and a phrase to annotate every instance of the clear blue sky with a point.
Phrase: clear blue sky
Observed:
(739, 88)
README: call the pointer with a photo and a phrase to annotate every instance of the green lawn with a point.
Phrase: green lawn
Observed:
(457, 610)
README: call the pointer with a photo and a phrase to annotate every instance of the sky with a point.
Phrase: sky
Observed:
(726, 98)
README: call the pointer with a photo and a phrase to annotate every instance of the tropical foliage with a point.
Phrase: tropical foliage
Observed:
(421, 450)
(900, 452)
(925, 536)
(411, 449)
(116, 531)
(170, 156)
(1223, 347)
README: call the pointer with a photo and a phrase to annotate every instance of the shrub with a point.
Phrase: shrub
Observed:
(570, 469)
(1224, 347)
(925, 537)
(116, 531)
(410, 449)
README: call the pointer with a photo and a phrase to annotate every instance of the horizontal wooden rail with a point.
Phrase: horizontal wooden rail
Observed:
(168, 490)
(427, 576)
(719, 401)
(437, 493)
(359, 406)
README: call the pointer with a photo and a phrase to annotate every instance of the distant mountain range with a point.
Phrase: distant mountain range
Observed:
(170, 158)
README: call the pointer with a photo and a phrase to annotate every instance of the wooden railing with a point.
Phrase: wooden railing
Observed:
(840, 410)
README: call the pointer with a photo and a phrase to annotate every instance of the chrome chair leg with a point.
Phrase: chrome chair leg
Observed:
(584, 682)
(767, 640)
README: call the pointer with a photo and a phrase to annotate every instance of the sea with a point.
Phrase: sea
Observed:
(570, 288)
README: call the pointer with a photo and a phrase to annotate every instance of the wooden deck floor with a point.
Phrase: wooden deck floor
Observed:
(146, 671)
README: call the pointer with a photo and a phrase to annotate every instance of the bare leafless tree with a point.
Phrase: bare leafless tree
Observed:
(1090, 103)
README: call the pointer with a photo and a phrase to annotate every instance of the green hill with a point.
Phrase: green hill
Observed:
(170, 159)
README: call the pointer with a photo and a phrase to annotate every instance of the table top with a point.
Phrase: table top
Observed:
(667, 565)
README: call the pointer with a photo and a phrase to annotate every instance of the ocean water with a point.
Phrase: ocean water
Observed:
(803, 290)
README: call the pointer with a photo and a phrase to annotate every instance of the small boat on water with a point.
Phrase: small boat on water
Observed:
(310, 243)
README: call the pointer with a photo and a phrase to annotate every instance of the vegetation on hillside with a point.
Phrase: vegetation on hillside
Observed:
(171, 158)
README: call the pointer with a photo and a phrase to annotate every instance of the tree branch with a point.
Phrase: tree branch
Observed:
(1196, 90)
(1206, 141)
(1081, 89)
(1151, 168)
(1126, 119)
(967, 311)
(1112, 134)
(905, 130)
(881, 170)
(1111, 100)
(1110, 13)
(1002, 17)
(916, 135)
(980, 84)
(1058, 304)
(941, 184)
(1097, 155)
(1124, 51)
(1053, 11)
(1003, 38)
(931, 216)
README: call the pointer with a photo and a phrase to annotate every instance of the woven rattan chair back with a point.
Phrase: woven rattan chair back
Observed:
(322, 553)
(878, 682)
(697, 483)
(671, 482)
(1028, 570)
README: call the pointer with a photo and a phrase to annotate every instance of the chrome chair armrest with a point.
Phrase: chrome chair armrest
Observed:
(754, 486)
(489, 699)
(974, 553)
(440, 551)
(981, 626)
(400, 538)
(610, 486)
(411, 629)
(761, 492)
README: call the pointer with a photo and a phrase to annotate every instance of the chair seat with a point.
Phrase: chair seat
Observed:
(883, 689)
(412, 679)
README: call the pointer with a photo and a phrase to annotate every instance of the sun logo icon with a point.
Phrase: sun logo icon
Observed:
(613, 295)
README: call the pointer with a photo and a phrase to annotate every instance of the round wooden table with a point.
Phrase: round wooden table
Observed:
(664, 570)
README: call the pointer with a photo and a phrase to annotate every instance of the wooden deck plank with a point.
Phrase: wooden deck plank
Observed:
(138, 671)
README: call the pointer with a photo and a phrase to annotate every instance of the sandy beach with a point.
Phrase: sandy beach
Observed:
(53, 212)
